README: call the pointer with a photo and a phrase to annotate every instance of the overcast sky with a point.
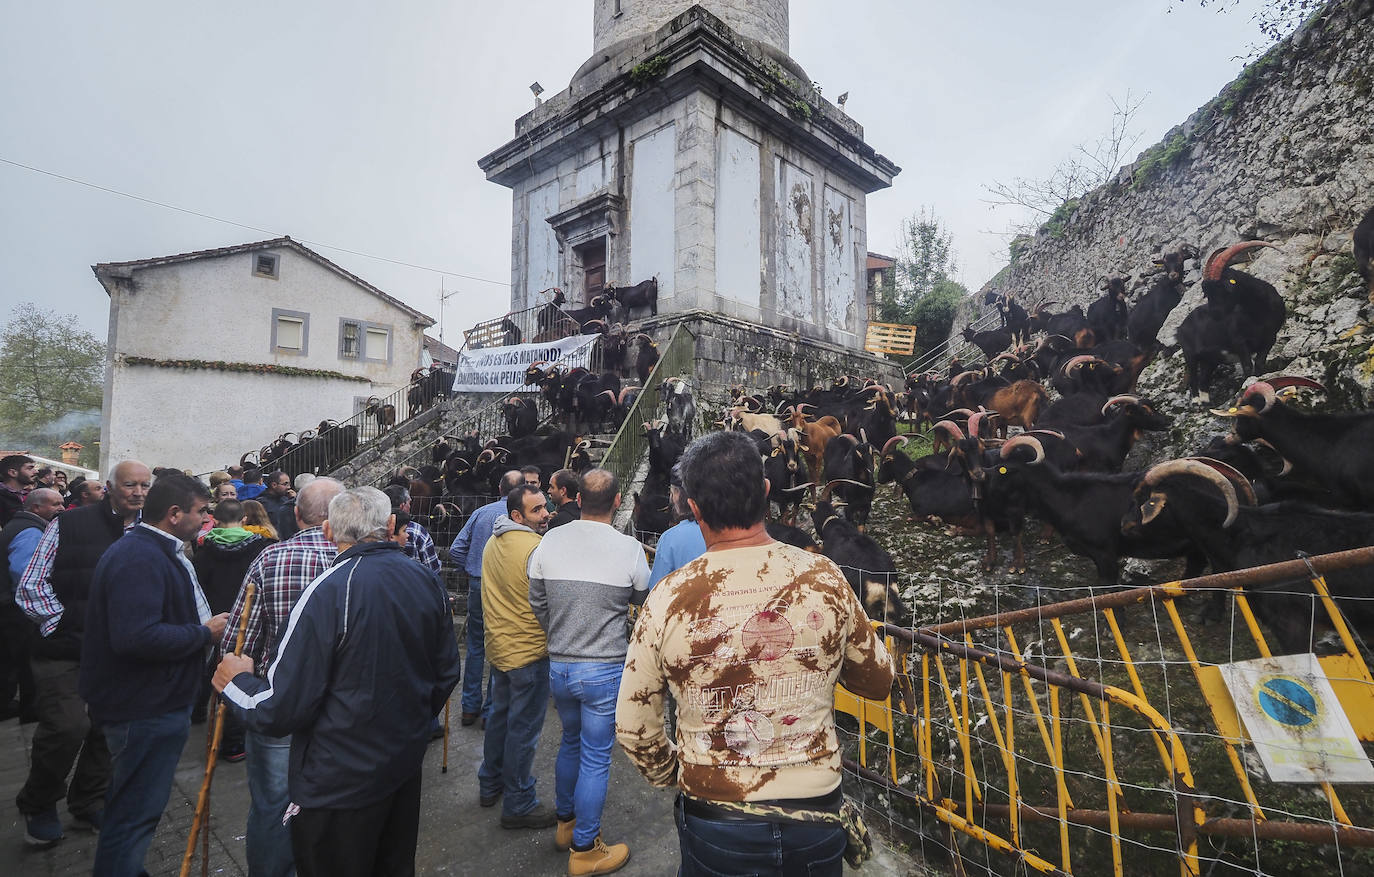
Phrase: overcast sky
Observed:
(358, 125)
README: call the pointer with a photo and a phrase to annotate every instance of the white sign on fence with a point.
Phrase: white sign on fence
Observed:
(1295, 721)
(502, 369)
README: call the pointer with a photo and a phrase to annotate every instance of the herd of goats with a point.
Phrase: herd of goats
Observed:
(1284, 482)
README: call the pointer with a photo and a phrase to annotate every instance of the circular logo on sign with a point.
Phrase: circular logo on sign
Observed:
(1287, 701)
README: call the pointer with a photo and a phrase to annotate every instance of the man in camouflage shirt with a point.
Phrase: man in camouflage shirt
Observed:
(750, 638)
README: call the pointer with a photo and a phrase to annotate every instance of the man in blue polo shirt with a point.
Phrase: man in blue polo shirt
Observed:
(466, 552)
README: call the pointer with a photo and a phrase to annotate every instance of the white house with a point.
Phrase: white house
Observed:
(217, 352)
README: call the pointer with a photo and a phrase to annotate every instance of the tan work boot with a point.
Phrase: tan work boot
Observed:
(600, 859)
(562, 838)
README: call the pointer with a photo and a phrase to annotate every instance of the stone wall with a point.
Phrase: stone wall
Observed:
(733, 352)
(1285, 153)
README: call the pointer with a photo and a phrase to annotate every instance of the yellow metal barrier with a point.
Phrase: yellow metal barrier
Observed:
(1091, 768)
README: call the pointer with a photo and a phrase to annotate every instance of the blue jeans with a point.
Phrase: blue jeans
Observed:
(728, 848)
(585, 695)
(143, 755)
(519, 700)
(477, 654)
(268, 841)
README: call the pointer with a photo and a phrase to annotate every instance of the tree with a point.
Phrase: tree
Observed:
(1276, 19)
(1087, 167)
(925, 295)
(51, 383)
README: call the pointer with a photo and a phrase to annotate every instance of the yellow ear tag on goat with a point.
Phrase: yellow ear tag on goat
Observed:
(1002, 470)
(1233, 281)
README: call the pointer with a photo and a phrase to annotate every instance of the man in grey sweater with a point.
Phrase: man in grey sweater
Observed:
(583, 578)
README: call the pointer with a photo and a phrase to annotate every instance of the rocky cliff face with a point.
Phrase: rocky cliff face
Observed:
(1285, 153)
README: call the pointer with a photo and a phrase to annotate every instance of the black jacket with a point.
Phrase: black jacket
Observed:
(367, 661)
(568, 511)
(83, 536)
(220, 569)
(144, 645)
(18, 524)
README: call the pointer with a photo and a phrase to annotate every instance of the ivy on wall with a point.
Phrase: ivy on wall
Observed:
(246, 367)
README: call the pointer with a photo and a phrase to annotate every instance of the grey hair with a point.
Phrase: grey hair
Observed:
(359, 515)
(312, 504)
(302, 480)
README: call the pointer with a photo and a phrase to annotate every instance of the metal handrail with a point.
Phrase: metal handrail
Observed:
(954, 346)
(630, 444)
(329, 448)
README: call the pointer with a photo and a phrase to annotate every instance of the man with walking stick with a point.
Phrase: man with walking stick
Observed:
(367, 661)
(147, 630)
(280, 574)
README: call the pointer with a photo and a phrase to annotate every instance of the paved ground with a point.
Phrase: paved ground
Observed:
(456, 836)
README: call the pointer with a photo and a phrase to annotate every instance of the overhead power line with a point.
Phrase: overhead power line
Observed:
(243, 225)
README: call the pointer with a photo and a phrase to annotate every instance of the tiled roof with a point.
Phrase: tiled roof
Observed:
(107, 268)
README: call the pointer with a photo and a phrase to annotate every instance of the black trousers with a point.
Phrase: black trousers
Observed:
(373, 841)
(16, 676)
(64, 736)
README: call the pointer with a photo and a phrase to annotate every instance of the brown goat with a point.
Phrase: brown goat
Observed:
(1018, 405)
(816, 434)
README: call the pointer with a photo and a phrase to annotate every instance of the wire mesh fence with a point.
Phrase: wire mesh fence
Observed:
(1094, 735)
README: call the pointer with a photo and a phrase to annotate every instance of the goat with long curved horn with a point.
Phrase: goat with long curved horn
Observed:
(1173, 468)
(1221, 258)
(1024, 441)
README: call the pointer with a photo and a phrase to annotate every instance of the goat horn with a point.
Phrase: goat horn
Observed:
(610, 393)
(1217, 262)
(975, 424)
(1024, 441)
(1171, 468)
(1235, 476)
(1287, 466)
(950, 428)
(896, 439)
(1073, 365)
(1294, 381)
(1119, 400)
(832, 483)
(1052, 433)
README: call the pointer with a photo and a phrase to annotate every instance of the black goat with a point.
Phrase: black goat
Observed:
(1154, 307)
(521, 415)
(1363, 245)
(1107, 315)
(785, 470)
(1188, 496)
(998, 507)
(676, 395)
(991, 342)
(642, 295)
(849, 466)
(1332, 449)
(868, 568)
(1242, 315)
(1086, 509)
(934, 487)
(646, 358)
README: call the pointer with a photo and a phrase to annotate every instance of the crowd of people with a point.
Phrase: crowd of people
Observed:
(120, 622)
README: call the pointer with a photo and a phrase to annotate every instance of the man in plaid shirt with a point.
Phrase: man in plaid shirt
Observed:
(280, 573)
(419, 544)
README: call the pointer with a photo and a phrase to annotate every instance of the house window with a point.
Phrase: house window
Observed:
(359, 339)
(265, 265)
(290, 332)
(378, 344)
(350, 339)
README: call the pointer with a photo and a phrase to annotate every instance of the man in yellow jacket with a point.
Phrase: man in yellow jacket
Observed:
(519, 656)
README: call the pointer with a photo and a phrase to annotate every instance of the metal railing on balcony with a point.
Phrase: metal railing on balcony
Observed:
(535, 325)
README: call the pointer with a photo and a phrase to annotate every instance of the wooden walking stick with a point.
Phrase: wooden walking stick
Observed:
(445, 767)
(202, 817)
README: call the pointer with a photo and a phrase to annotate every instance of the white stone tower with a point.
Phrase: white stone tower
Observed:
(617, 20)
(691, 148)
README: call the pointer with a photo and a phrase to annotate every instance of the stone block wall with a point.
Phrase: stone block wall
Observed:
(1285, 153)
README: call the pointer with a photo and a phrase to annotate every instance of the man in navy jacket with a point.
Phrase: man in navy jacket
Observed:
(147, 630)
(368, 659)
